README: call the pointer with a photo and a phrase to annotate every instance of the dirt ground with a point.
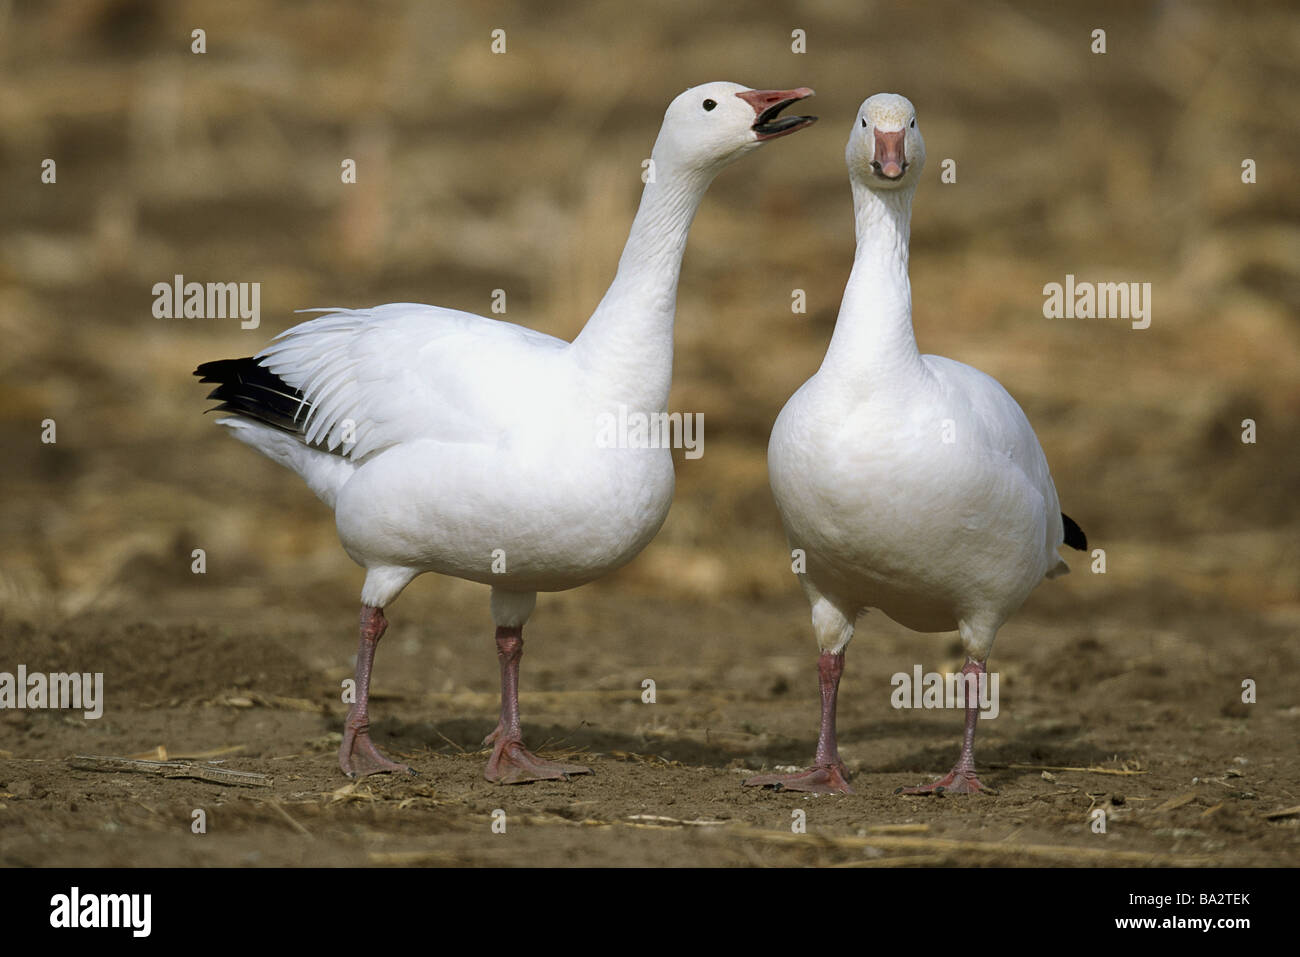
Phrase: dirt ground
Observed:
(735, 692)
(1120, 691)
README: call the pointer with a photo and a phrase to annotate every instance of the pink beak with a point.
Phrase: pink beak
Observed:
(768, 105)
(891, 154)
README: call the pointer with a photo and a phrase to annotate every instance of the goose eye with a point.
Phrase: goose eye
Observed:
(708, 105)
(864, 122)
(914, 122)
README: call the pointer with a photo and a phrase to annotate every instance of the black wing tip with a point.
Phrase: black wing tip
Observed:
(1074, 536)
(248, 389)
(223, 370)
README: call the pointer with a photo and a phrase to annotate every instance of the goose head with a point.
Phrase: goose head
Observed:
(713, 125)
(885, 149)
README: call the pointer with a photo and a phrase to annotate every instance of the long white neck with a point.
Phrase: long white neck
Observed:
(873, 334)
(627, 345)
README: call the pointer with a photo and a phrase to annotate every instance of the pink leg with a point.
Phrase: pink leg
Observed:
(358, 756)
(961, 779)
(828, 775)
(511, 762)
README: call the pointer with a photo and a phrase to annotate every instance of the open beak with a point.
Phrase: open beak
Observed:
(768, 105)
(891, 155)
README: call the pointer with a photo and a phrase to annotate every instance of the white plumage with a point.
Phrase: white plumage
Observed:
(458, 436)
(452, 443)
(913, 484)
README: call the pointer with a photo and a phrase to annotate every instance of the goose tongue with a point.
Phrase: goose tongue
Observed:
(768, 105)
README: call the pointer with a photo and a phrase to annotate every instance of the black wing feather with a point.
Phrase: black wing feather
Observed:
(248, 388)
(1074, 536)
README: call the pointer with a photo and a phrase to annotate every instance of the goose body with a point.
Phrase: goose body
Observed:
(892, 517)
(442, 473)
(452, 443)
(911, 484)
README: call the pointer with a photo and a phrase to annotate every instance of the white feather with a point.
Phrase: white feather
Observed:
(458, 444)
(914, 484)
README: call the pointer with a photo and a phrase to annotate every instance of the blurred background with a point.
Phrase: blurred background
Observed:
(520, 171)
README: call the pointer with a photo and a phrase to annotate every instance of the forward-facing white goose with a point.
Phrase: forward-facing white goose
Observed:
(448, 442)
(913, 484)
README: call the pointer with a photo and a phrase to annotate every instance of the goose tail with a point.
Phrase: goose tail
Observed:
(267, 414)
